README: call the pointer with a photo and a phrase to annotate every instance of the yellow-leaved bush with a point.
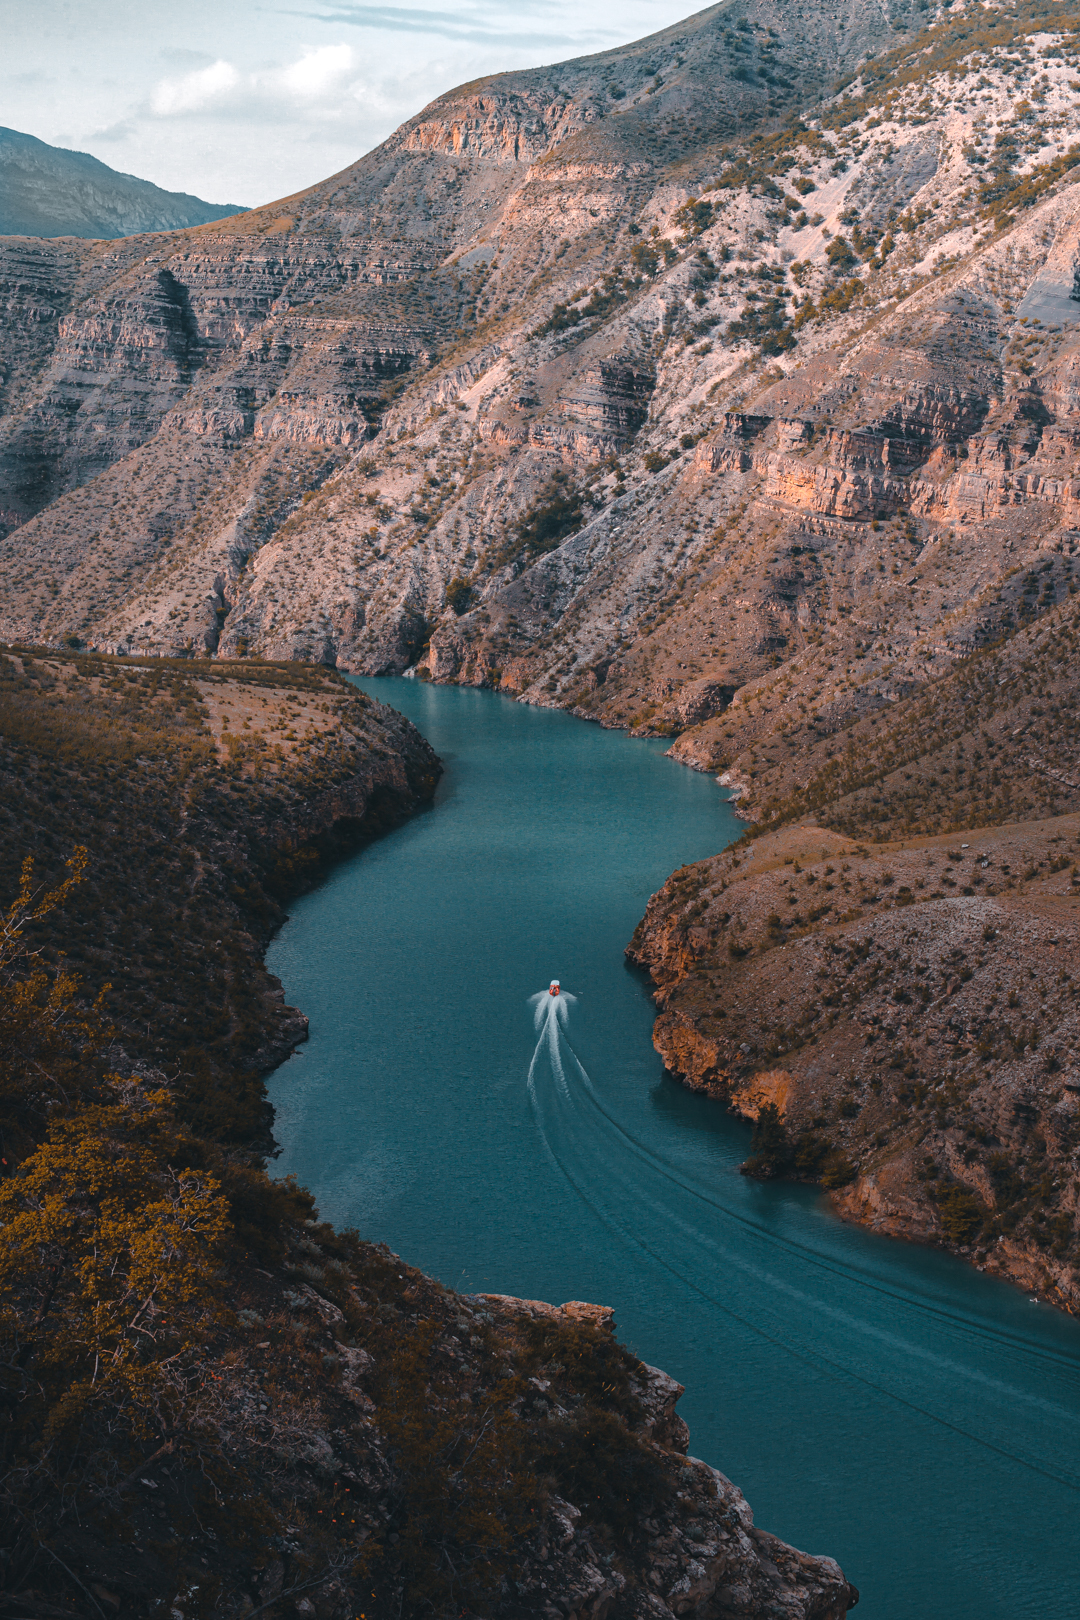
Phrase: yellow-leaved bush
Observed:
(114, 1232)
(111, 1241)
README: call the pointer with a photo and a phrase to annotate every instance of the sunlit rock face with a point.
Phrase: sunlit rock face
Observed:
(604, 382)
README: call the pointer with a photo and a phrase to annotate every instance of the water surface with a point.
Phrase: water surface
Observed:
(878, 1402)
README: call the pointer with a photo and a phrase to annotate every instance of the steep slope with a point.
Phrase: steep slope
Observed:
(425, 408)
(883, 976)
(203, 798)
(901, 1021)
(254, 348)
(49, 191)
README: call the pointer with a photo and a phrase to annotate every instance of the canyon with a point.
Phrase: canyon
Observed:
(684, 387)
(297, 1419)
(720, 388)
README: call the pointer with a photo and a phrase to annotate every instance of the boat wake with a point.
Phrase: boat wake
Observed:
(680, 1223)
(551, 1013)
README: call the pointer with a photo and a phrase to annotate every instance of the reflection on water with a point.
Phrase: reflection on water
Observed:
(878, 1402)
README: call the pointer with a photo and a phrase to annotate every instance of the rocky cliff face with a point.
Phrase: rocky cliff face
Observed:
(807, 384)
(481, 1492)
(411, 284)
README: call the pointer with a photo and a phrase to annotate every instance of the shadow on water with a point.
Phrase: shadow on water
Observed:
(882, 1403)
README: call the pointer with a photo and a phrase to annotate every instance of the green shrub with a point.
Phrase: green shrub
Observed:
(808, 1153)
(604, 1470)
(840, 254)
(770, 1149)
(558, 511)
(838, 1171)
(594, 1360)
(961, 1213)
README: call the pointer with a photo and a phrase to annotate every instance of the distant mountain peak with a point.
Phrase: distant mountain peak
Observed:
(48, 191)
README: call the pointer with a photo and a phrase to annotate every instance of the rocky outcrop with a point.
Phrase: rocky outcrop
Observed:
(497, 128)
(718, 1566)
(862, 998)
(345, 1433)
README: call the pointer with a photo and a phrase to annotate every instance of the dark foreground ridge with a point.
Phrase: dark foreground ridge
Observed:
(210, 1403)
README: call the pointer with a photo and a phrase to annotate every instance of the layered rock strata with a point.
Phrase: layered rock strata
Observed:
(455, 269)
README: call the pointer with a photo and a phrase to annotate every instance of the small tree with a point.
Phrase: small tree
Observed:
(770, 1150)
(111, 1237)
(47, 1037)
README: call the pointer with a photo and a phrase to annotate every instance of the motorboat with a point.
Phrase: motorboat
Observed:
(553, 988)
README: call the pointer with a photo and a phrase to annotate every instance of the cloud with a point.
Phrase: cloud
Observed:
(317, 71)
(453, 25)
(320, 76)
(194, 91)
(275, 94)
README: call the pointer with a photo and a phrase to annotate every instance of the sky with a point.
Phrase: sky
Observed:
(242, 103)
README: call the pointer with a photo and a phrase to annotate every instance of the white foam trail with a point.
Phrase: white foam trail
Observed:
(547, 1008)
(586, 1117)
(549, 1013)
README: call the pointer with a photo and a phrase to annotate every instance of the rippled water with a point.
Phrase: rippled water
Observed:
(878, 1402)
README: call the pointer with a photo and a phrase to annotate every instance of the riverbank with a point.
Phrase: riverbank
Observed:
(900, 1021)
(295, 1421)
(804, 1342)
(206, 796)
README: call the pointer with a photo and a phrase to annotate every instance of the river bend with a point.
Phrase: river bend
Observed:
(881, 1403)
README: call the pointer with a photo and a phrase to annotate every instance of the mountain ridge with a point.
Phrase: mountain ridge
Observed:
(53, 191)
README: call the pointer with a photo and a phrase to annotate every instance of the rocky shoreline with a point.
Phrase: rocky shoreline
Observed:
(684, 1542)
(901, 1024)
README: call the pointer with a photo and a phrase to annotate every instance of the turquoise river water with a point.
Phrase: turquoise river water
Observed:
(875, 1401)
